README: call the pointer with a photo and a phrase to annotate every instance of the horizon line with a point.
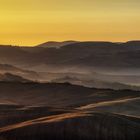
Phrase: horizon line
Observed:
(52, 41)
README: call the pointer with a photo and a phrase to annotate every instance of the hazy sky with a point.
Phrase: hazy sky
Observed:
(29, 22)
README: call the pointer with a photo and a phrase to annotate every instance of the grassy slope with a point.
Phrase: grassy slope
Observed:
(65, 112)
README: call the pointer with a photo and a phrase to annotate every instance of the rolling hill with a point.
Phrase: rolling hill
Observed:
(96, 83)
(103, 61)
(35, 111)
(8, 77)
(88, 55)
(6, 68)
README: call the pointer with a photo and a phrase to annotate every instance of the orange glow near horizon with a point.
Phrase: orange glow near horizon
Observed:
(30, 22)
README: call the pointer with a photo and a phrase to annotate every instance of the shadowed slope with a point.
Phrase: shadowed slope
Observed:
(97, 126)
(52, 111)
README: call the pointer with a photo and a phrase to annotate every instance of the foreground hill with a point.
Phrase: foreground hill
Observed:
(58, 95)
(97, 126)
(36, 111)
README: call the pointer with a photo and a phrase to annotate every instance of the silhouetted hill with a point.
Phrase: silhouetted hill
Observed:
(81, 54)
(8, 77)
(13, 55)
(58, 95)
(133, 44)
(10, 68)
(55, 44)
(95, 83)
(6, 68)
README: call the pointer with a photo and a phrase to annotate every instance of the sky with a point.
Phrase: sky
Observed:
(31, 22)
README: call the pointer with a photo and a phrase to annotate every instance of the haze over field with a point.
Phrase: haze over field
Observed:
(92, 64)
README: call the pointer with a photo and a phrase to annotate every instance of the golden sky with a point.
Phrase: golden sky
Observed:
(30, 22)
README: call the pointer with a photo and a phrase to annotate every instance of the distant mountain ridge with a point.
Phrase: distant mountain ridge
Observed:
(85, 57)
(56, 44)
(76, 54)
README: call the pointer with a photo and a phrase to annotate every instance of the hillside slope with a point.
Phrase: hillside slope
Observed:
(55, 111)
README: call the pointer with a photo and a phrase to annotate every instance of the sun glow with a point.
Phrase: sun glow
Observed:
(30, 22)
